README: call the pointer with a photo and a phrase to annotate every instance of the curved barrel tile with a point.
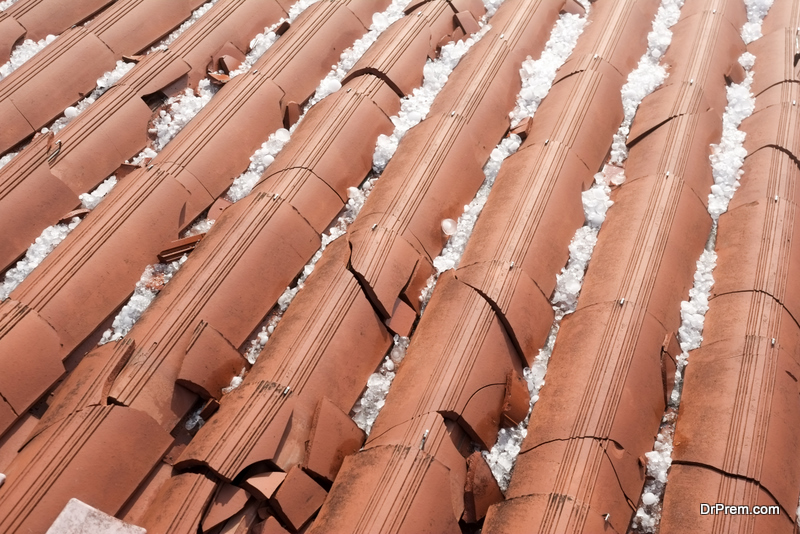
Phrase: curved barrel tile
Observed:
(704, 40)
(81, 457)
(36, 190)
(611, 368)
(162, 367)
(36, 19)
(36, 93)
(739, 403)
(453, 385)
(104, 257)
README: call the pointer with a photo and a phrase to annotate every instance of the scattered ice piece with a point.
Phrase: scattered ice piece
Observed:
(449, 227)
(48, 240)
(756, 11)
(23, 52)
(369, 405)
(194, 420)
(37, 252)
(203, 226)
(143, 157)
(649, 499)
(236, 381)
(150, 284)
(263, 158)
(5, 4)
(728, 156)
(179, 111)
(91, 200)
(8, 157)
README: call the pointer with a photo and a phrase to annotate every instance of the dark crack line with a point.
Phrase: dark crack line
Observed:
(734, 475)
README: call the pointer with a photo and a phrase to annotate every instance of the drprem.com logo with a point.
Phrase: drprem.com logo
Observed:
(724, 509)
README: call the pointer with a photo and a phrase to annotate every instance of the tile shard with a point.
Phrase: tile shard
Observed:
(209, 362)
(333, 437)
(298, 498)
(481, 490)
(264, 485)
(228, 501)
(180, 504)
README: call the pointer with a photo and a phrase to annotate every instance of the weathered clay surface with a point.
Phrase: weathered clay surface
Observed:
(606, 389)
(101, 443)
(481, 490)
(690, 486)
(739, 401)
(180, 504)
(186, 342)
(298, 498)
(68, 68)
(85, 157)
(490, 316)
(147, 211)
(140, 428)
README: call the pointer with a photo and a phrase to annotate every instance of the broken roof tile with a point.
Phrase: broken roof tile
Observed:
(109, 426)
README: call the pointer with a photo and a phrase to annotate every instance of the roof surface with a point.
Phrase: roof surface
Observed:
(302, 267)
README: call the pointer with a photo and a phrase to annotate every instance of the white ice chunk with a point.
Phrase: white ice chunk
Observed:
(150, 284)
(756, 11)
(179, 111)
(92, 199)
(369, 405)
(7, 158)
(22, 53)
(48, 240)
(5, 4)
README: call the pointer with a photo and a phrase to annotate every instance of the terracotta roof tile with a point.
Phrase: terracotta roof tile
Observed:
(183, 426)
(730, 439)
(74, 62)
(586, 438)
